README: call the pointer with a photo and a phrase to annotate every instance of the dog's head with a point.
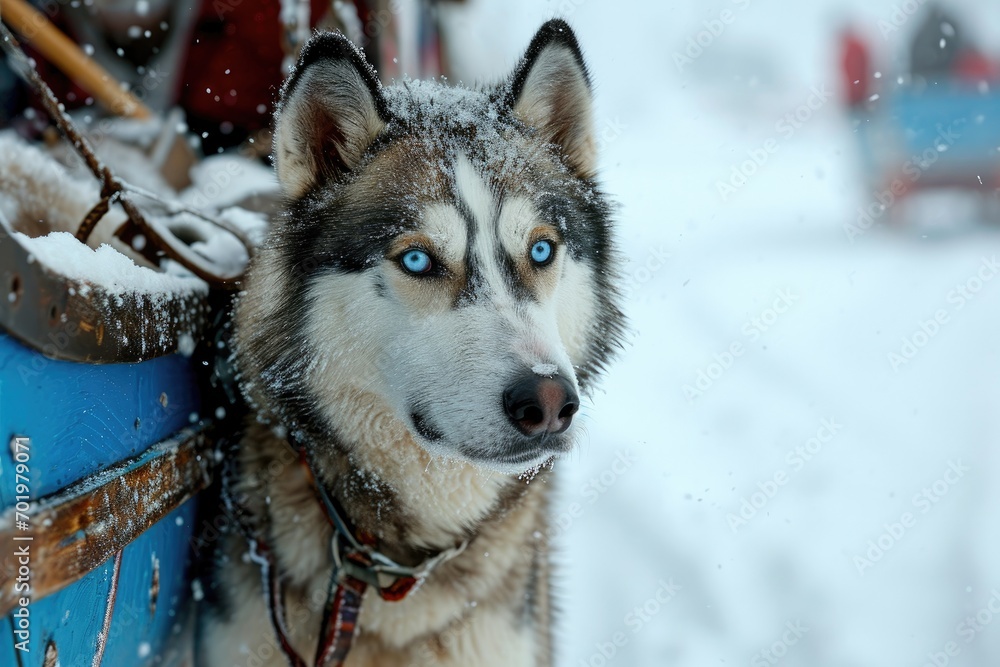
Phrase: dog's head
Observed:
(445, 251)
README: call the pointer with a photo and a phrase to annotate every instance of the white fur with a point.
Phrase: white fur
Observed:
(352, 338)
(446, 228)
(577, 306)
(483, 205)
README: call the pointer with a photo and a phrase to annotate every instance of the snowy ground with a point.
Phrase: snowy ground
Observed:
(655, 555)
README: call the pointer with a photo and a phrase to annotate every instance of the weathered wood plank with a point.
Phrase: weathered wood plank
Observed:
(79, 528)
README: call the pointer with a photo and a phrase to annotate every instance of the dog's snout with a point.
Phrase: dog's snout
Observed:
(541, 405)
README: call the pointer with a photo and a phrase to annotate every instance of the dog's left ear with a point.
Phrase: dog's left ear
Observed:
(331, 110)
(550, 91)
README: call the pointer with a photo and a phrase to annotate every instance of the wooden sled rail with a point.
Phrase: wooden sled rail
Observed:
(80, 528)
(60, 50)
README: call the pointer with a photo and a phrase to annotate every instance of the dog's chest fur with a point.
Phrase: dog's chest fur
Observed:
(490, 605)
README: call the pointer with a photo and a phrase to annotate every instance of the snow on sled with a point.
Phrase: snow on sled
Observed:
(98, 458)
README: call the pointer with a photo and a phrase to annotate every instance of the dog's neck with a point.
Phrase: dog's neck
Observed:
(389, 487)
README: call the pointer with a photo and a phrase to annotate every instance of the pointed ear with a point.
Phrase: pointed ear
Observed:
(550, 91)
(331, 110)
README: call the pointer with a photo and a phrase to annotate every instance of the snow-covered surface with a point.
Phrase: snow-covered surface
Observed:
(646, 505)
(34, 186)
(208, 240)
(105, 267)
(224, 180)
(38, 194)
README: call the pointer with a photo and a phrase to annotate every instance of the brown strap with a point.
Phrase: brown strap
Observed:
(347, 583)
(340, 613)
(340, 622)
(160, 240)
(276, 608)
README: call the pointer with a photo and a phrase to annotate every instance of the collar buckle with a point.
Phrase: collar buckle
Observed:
(362, 563)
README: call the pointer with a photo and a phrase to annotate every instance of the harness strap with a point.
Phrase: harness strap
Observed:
(340, 620)
(261, 554)
(356, 566)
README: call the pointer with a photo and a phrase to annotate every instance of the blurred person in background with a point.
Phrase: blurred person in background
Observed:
(855, 67)
(936, 47)
(942, 52)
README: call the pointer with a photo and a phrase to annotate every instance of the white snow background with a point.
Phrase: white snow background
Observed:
(656, 522)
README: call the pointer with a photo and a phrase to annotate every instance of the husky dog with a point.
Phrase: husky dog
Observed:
(436, 295)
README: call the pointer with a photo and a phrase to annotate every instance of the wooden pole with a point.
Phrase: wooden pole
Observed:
(58, 49)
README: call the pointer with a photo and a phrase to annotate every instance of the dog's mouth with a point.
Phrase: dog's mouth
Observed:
(512, 462)
(515, 453)
(525, 460)
(424, 428)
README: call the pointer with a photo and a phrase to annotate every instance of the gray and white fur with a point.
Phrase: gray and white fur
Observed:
(432, 401)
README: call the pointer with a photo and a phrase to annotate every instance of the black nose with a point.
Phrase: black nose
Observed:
(541, 405)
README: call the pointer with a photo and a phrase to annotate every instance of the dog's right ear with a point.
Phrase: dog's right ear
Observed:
(331, 110)
(550, 91)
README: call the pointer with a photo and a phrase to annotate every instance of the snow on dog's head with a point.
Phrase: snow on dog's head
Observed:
(444, 257)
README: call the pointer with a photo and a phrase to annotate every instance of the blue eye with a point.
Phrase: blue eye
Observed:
(542, 252)
(416, 261)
